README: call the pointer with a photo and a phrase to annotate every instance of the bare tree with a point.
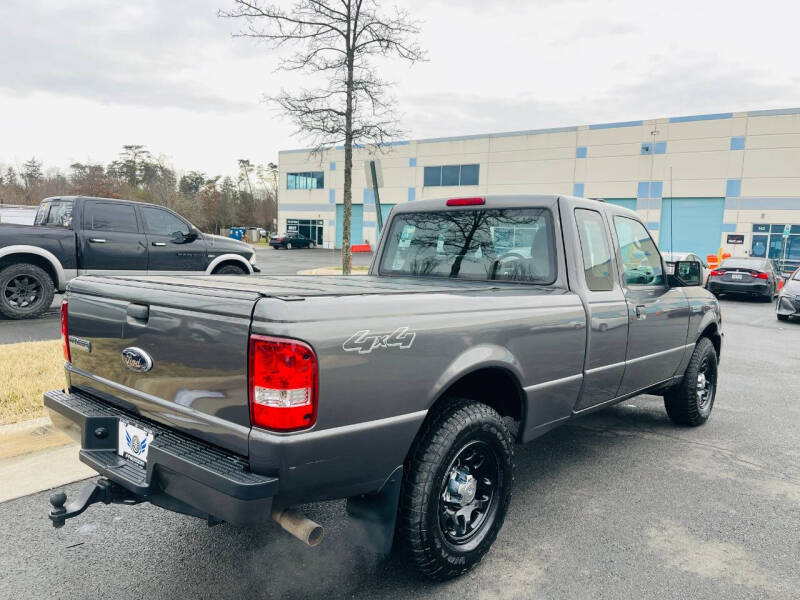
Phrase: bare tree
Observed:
(338, 39)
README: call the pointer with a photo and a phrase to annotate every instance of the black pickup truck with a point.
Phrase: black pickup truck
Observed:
(79, 235)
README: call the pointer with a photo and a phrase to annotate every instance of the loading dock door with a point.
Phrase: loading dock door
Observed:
(691, 225)
(356, 224)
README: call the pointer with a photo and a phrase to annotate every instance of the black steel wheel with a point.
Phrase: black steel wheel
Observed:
(26, 291)
(690, 402)
(456, 489)
(230, 270)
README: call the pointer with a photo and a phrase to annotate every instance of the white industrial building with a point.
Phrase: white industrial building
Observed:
(701, 183)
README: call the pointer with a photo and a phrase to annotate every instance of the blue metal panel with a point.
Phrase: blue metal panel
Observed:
(577, 190)
(613, 125)
(691, 225)
(700, 118)
(412, 194)
(643, 189)
(624, 202)
(332, 196)
(580, 152)
(412, 162)
(656, 189)
(333, 166)
(356, 224)
(661, 147)
(728, 227)
(369, 196)
(737, 143)
(385, 209)
(653, 226)
(647, 148)
(733, 189)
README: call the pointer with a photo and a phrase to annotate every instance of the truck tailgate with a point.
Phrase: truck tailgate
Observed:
(196, 338)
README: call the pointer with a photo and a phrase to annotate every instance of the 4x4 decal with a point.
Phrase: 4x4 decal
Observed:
(365, 342)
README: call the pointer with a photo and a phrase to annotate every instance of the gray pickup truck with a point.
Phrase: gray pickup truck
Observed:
(482, 322)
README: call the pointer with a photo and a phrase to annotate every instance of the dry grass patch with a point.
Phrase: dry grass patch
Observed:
(27, 370)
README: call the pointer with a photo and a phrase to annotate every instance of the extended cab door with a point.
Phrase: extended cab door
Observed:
(606, 306)
(172, 243)
(110, 240)
(658, 315)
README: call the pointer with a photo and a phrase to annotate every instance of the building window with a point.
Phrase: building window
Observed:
(451, 175)
(313, 180)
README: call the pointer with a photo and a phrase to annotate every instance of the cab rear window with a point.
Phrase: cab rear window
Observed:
(477, 244)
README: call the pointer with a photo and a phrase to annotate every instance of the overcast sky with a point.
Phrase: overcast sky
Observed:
(79, 79)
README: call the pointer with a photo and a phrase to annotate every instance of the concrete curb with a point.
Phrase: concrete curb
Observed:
(34, 457)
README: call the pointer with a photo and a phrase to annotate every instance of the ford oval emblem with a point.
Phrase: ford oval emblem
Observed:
(137, 360)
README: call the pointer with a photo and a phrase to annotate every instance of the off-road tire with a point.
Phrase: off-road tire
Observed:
(444, 436)
(230, 270)
(43, 300)
(683, 401)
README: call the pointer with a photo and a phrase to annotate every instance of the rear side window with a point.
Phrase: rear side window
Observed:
(162, 222)
(595, 250)
(109, 216)
(477, 244)
(640, 258)
(60, 215)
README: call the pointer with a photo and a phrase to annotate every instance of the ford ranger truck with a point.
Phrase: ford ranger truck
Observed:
(77, 235)
(482, 323)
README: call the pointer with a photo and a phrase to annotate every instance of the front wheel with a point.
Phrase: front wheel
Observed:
(229, 270)
(456, 489)
(690, 401)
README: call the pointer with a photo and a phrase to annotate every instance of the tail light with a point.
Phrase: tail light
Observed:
(715, 273)
(283, 383)
(759, 275)
(466, 201)
(65, 331)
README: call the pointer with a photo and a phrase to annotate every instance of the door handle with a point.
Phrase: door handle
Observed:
(159, 243)
(97, 240)
(641, 312)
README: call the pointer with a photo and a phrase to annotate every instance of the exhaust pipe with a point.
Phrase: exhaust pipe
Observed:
(300, 526)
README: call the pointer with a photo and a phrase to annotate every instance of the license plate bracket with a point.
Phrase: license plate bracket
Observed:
(133, 443)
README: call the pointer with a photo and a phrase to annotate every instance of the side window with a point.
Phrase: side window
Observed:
(162, 222)
(109, 216)
(60, 215)
(41, 214)
(595, 250)
(641, 261)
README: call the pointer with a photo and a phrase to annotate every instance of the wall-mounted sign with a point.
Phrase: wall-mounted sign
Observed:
(735, 238)
(760, 228)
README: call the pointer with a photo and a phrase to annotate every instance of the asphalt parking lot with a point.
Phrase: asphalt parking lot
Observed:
(271, 262)
(620, 504)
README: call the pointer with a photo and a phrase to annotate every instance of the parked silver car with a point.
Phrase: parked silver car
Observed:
(788, 303)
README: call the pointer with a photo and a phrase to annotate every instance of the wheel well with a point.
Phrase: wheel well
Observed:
(31, 259)
(230, 262)
(712, 333)
(493, 386)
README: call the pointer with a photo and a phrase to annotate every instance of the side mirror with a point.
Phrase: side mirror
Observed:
(684, 273)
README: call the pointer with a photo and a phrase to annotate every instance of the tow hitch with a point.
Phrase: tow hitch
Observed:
(101, 490)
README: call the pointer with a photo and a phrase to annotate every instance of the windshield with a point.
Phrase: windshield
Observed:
(478, 244)
(742, 263)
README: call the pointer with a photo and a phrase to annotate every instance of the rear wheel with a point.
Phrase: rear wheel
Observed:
(312, 245)
(690, 402)
(288, 245)
(26, 291)
(456, 489)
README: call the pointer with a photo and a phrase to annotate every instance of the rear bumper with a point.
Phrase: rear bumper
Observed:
(204, 479)
(730, 287)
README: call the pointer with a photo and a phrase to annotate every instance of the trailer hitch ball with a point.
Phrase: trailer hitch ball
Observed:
(57, 501)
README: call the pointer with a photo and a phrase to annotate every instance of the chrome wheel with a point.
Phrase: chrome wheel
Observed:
(23, 291)
(468, 498)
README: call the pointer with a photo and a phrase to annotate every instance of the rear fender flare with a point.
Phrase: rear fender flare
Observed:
(61, 279)
(229, 258)
(482, 356)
